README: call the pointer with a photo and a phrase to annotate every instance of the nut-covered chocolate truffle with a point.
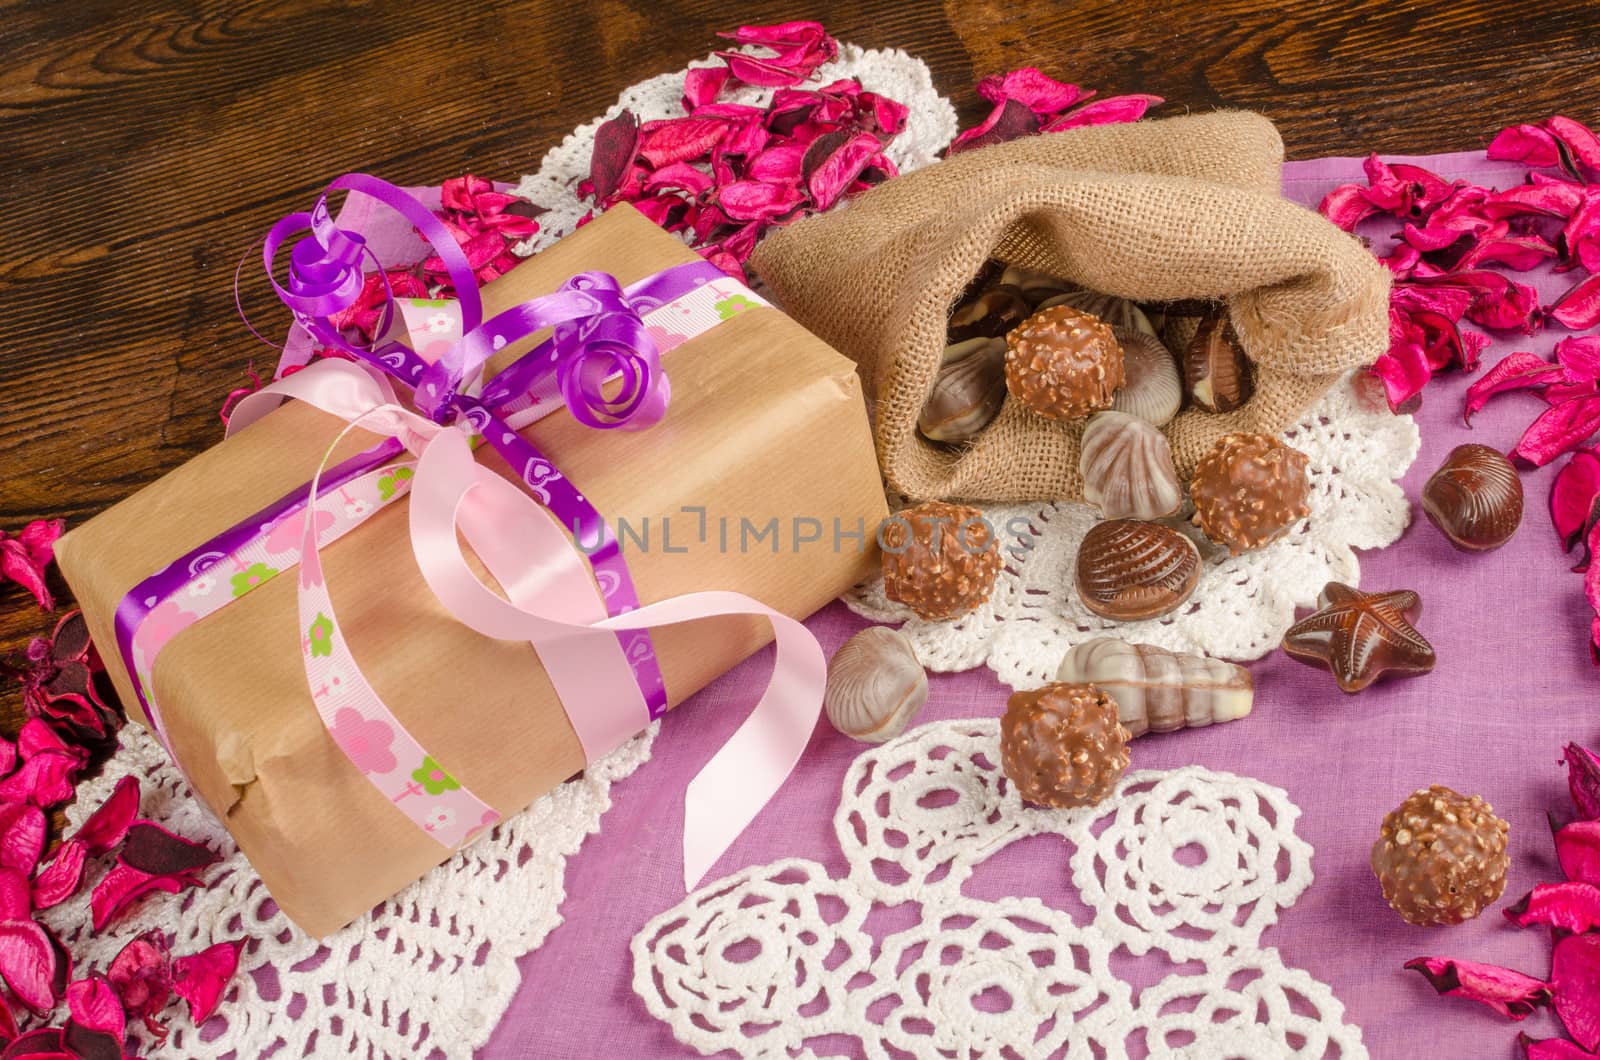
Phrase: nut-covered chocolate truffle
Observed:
(1248, 490)
(939, 559)
(1475, 498)
(1062, 745)
(1063, 364)
(1441, 857)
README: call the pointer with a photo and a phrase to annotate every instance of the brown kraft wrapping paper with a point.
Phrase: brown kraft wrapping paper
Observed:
(766, 422)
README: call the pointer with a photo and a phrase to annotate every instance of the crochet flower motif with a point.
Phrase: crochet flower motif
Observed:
(367, 741)
(774, 956)
(433, 778)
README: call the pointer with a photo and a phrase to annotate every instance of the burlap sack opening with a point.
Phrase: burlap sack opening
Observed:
(1157, 210)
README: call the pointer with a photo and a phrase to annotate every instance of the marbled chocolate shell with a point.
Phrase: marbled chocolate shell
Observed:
(1151, 388)
(1215, 369)
(1035, 286)
(1118, 312)
(875, 685)
(1130, 570)
(1127, 468)
(968, 391)
(1475, 498)
(1159, 690)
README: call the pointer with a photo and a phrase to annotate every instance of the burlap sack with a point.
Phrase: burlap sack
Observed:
(1157, 210)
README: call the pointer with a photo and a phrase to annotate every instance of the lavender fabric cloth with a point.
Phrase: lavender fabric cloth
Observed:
(1514, 682)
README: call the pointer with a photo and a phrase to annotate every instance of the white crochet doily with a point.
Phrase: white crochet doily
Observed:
(1242, 605)
(1192, 863)
(432, 971)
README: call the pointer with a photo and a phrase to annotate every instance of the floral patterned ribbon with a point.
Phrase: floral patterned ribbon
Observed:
(580, 612)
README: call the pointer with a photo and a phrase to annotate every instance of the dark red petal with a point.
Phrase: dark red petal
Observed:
(1008, 121)
(1039, 93)
(1575, 978)
(1515, 371)
(1578, 850)
(616, 142)
(1568, 906)
(60, 879)
(1579, 308)
(46, 1043)
(1112, 110)
(1528, 144)
(29, 964)
(151, 848)
(1559, 429)
(1508, 992)
(23, 829)
(108, 824)
(201, 978)
(93, 1003)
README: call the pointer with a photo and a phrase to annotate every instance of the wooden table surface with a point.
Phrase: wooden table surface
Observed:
(147, 146)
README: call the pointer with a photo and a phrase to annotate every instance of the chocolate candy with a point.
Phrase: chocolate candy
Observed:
(1151, 389)
(1130, 570)
(1359, 637)
(1216, 372)
(1127, 469)
(968, 391)
(939, 559)
(1063, 364)
(1159, 690)
(1475, 498)
(875, 685)
(1120, 313)
(1441, 857)
(1062, 745)
(1249, 490)
(988, 315)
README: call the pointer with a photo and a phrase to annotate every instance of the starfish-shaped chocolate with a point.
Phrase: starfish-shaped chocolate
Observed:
(1361, 636)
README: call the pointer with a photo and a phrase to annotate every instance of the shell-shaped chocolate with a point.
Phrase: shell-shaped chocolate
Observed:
(1063, 364)
(1035, 286)
(968, 391)
(1127, 468)
(1120, 313)
(1159, 690)
(1216, 372)
(1151, 388)
(987, 315)
(1129, 570)
(1475, 498)
(875, 685)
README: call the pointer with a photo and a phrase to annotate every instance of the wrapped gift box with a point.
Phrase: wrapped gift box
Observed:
(766, 422)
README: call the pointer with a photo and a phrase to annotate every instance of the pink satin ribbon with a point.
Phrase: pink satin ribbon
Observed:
(551, 602)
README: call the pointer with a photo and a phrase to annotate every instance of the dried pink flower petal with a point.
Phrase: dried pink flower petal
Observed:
(834, 161)
(124, 885)
(702, 84)
(44, 780)
(1547, 198)
(1347, 206)
(1580, 356)
(1579, 308)
(23, 830)
(1515, 371)
(1529, 144)
(1591, 589)
(106, 827)
(800, 48)
(680, 140)
(750, 200)
(25, 555)
(1112, 110)
(1583, 780)
(1578, 850)
(93, 1003)
(1403, 371)
(679, 176)
(16, 899)
(1575, 496)
(1508, 992)
(141, 974)
(1559, 429)
(1514, 252)
(1575, 978)
(201, 978)
(1032, 88)
(1567, 906)
(1577, 142)
(1552, 1049)
(31, 965)
(778, 165)
(61, 878)
(1010, 120)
